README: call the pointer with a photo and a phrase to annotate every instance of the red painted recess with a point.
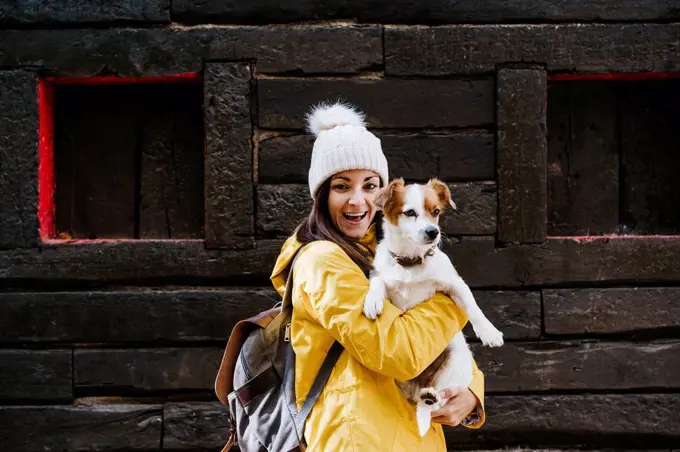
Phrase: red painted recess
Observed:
(632, 76)
(46, 187)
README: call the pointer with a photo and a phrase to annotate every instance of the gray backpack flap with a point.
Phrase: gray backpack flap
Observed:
(257, 381)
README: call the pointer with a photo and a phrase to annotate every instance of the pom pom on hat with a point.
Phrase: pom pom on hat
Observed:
(327, 116)
(342, 143)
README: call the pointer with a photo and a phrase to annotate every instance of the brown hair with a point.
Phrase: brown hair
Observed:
(318, 226)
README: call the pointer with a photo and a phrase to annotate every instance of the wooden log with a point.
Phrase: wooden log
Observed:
(95, 427)
(475, 49)
(580, 365)
(28, 12)
(95, 144)
(522, 153)
(161, 51)
(430, 12)
(171, 163)
(44, 375)
(191, 425)
(18, 159)
(129, 316)
(610, 310)
(583, 158)
(228, 157)
(283, 103)
(144, 369)
(414, 156)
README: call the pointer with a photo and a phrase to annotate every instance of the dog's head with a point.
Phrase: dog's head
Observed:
(412, 211)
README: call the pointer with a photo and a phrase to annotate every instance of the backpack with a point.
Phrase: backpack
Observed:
(256, 380)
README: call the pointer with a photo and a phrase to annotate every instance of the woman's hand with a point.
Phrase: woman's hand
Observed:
(461, 403)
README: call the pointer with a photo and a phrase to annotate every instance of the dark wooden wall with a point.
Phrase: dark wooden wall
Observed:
(567, 192)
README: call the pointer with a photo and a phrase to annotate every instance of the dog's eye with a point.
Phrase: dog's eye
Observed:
(435, 212)
(411, 213)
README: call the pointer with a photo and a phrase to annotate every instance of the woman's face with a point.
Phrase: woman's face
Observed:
(350, 201)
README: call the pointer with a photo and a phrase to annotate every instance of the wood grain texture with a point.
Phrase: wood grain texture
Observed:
(475, 49)
(283, 104)
(522, 154)
(18, 159)
(44, 375)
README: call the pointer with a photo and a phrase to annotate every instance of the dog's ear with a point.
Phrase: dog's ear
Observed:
(442, 191)
(387, 193)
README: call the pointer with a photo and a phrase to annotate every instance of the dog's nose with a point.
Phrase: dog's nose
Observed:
(431, 232)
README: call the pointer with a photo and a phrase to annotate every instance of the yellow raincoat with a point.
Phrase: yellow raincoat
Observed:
(361, 408)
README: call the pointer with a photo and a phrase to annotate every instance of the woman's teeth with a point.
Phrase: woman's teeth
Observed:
(354, 216)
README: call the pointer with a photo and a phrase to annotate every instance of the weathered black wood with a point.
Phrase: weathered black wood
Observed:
(188, 426)
(229, 206)
(522, 154)
(41, 13)
(610, 310)
(129, 316)
(607, 421)
(516, 313)
(79, 428)
(579, 365)
(429, 12)
(650, 186)
(520, 420)
(583, 158)
(143, 369)
(171, 163)
(35, 375)
(158, 51)
(18, 159)
(413, 156)
(283, 103)
(478, 260)
(280, 208)
(95, 145)
(562, 48)
(476, 207)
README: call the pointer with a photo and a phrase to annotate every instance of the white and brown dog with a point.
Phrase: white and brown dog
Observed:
(408, 269)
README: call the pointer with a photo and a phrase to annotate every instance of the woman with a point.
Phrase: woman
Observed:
(361, 408)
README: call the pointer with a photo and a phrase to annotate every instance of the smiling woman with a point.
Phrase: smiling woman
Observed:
(331, 253)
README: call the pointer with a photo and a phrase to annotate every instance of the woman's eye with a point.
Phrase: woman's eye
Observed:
(410, 213)
(340, 187)
(370, 187)
(435, 212)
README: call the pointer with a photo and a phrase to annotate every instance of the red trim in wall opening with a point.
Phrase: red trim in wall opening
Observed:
(46, 175)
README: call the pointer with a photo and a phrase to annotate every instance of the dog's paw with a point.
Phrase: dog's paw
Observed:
(373, 304)
(489, 334)
(430, 397)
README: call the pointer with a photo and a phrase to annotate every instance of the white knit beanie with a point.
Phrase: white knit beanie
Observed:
(342, 143)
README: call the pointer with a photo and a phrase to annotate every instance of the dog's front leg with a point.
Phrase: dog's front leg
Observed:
(460, 292)
(375, 298)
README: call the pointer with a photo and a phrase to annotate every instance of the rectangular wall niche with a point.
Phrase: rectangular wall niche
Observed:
(128, 158)
(613, 156)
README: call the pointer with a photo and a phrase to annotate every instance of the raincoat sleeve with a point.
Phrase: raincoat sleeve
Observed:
(397, 344)
(478, 415)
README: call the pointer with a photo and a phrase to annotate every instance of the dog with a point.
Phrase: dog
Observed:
(408, 269)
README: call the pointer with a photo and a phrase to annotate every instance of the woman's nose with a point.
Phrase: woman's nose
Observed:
(357, 198)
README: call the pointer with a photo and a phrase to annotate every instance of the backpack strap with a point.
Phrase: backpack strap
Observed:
(318, 385)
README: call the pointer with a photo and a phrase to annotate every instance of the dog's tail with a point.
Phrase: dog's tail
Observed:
(326, 116)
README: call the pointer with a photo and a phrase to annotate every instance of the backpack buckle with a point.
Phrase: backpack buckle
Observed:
(286, 333)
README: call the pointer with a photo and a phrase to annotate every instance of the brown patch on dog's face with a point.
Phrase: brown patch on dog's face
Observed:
(391, 200)
(437, 197)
